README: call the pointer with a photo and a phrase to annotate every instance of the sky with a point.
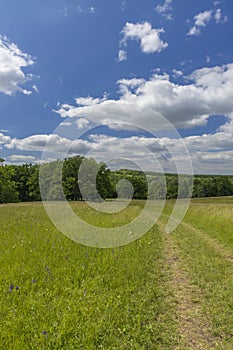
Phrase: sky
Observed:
(148, 82)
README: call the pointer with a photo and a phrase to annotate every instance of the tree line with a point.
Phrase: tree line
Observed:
(61, 179)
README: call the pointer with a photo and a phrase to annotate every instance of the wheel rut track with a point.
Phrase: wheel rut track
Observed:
(193, 326)
(226, 253)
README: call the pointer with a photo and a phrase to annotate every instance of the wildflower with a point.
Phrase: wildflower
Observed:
(47, 269)
(11, 287)
(45, 333)
(17, 287)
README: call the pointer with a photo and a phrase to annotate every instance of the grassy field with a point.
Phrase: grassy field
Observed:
(163, 291)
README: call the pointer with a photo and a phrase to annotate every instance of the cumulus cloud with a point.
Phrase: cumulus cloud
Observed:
(209, 153)
(82, 123)
(219, 18)
(177, 73)
(165, 9)
(207, 91)
(200, 21)
(53, 142)
(37, 142)
(21, 158)
(203, 18)
(122, 55)
(12, 62)
(218, 15)
(90, 101)
(4, 139)
(149, 38)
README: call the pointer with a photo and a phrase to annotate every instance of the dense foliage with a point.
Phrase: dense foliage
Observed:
(21, 183)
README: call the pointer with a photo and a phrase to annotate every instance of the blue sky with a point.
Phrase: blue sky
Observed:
(99, 61)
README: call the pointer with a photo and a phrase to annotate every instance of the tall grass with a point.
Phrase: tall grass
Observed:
(57, 294)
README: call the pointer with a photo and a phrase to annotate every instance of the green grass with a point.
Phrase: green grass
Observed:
(206, 266)
(58, 294)
(212, 274)
(215, 220)
(74, 297)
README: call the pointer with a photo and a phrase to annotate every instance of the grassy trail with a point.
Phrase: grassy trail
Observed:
(226, 253)
(202, 250)
(193, 327)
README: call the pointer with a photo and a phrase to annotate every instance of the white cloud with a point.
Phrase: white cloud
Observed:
(21, 158)
(218, 15)
(149, 37)
(37, 142)
(165, 9)
(209, 153)
(12, 62)
(91, 9)
(3, 138)
(203, 18)
(219, 18)
(208, 91)
(177, 73)
(200, 21)
(35, 88)
(54, 143)
(194, 31)
(90, 101)
(122, 55)
(66, 123)
(82, 123)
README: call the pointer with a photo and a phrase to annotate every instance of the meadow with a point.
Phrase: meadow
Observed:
(162, 291)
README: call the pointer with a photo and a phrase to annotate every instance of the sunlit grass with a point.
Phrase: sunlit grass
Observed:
(57, 294)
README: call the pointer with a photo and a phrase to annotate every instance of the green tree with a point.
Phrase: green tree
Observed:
(51, 181)
(70, 172)
(94, 180)
(8, 191)
(172, 186)
(21, 176)
(33, 184)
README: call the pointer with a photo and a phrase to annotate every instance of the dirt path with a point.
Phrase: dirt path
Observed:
(193, 327)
